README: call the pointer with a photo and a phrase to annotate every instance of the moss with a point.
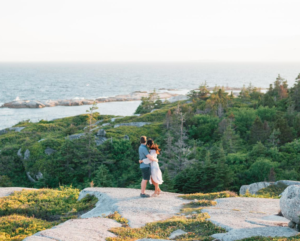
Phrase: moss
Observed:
(208, 196)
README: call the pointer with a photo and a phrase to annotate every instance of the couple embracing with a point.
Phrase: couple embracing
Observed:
(149, 166)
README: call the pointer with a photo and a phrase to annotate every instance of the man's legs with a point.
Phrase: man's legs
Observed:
(143, 186)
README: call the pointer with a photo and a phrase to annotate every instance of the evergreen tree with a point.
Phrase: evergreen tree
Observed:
(223, 173)
(259, 131)
(168, 185)
(286, 134)
(231, 141)
(102, 177)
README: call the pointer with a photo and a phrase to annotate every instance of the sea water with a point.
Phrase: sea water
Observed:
(45, 81)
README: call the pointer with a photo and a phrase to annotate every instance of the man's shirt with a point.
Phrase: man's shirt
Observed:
(143, 152)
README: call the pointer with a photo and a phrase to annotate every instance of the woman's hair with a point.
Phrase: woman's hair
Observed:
(153, 146)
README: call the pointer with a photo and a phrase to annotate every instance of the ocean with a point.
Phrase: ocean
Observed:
(44, 81)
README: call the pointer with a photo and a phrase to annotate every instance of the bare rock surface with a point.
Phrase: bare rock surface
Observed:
(6, 191)
(131, 206)
(238, 234)
(90, 229)
(248, 217)
(137, 124)
(290, 203)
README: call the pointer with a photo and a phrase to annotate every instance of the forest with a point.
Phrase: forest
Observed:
(212, 142)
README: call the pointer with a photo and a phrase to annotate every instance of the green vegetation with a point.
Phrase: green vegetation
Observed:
(211, 143)
(208, 196)
(29, 211)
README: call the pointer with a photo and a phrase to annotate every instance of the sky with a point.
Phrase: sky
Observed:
(149, 31)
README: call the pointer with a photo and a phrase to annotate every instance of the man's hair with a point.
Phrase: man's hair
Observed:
(143, 139)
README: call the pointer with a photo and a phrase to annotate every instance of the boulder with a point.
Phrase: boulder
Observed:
(254, 187)
(137, 124)
(19, 153)
(101, 132)
(290, 203)
(39, 176)
(126, 137)
(49, 151)
(100, 140)
(176, 233)
(30, 177)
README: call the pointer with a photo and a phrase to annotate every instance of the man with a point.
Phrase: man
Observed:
(145, 168)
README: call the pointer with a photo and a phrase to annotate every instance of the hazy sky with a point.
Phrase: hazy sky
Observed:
(153, 30)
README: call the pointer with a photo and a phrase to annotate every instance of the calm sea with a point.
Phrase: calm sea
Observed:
(43, 81)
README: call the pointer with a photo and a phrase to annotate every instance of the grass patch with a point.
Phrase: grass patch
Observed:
(29, 211)
(197, 228)
(16, 227)
(209, 196)
(116, 216)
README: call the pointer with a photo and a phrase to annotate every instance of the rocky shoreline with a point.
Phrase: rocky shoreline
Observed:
(135, 96)
(168, 94)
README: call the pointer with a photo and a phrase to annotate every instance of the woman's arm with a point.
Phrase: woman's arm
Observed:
(147, 161)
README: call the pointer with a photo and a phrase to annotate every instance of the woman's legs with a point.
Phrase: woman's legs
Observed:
(155, 185)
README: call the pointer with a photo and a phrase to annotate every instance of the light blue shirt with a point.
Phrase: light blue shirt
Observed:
(143, 152)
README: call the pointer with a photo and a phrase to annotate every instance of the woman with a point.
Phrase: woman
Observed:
(156, 175)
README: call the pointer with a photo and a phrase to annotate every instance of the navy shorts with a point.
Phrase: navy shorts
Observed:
(146, 173)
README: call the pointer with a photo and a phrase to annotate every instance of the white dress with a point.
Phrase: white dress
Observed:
(156, 174)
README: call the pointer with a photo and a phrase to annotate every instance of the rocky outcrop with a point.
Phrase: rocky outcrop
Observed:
(6, 191)
(75, 136)
(16, 129)
(49, 151)
(127, 202)
(290, 203)
(90, 229)
(47, 103)
(137, 124)
(2, 132)
(287, 182)
(254, 187)
(100, 137)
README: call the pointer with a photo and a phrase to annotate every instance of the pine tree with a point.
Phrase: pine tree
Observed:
(259, 131)
(168, 185)
(102, 177)
(231, 141)
(286, 134)
(209, 175)
(223, 173)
